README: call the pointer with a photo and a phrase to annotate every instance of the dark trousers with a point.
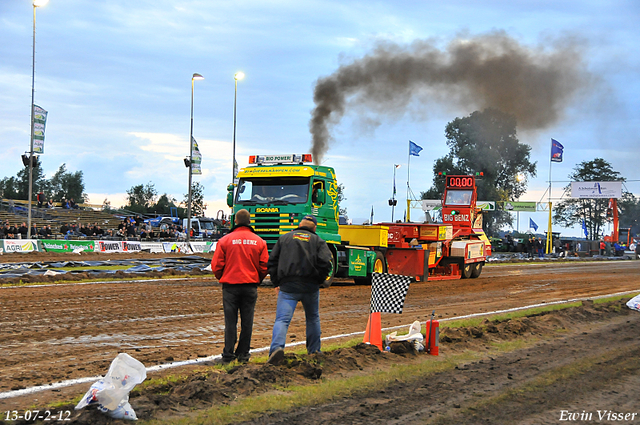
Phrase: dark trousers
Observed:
(238, 297)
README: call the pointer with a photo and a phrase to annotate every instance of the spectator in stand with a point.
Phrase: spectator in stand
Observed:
(13, 232)
(34, 231)
(64, 228)
(65, 204)
(139, 220)
(131, 230)
(23, 230)
(50, 204)
(2, 232)
(40, 198)
(72, 204)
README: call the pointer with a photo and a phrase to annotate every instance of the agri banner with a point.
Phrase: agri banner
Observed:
(591, 190)
(39, 123)
(51, 245)
(155, 247)
(19, 245)
(203, 247)
(176, 247)
(117, 246)
(520, 206)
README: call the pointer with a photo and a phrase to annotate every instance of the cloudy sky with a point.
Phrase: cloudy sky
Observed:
(115, 77)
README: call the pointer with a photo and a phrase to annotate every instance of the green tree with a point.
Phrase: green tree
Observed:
(65, 185)
(22, 181)
(629, 206)
(486, 141)
(197, 200)
(164, 205)
(141, 197)
(8, 188)
(571, 212)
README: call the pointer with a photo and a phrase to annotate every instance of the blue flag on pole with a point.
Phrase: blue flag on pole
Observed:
(414, 149)
(556, 151)
(584, 229)
(533, 224)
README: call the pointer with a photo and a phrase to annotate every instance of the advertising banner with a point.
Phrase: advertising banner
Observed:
(176, 247)
(19, 245)
(39, 123)
(155, 247)
(117, 246)
(591, 190)
(51, 245)
(520, 206)
(196, 158)
(203, 247)
(431, 204)
(486, 205)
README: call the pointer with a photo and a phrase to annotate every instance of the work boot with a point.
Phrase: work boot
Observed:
(276, 357)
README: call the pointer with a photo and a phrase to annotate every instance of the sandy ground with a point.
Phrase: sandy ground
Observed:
(65, 331)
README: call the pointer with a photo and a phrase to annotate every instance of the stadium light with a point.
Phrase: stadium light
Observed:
(196, 76)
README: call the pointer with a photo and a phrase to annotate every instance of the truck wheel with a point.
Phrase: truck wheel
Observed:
(380, 265)
(477, 269)
(466, 271)
(332, 274)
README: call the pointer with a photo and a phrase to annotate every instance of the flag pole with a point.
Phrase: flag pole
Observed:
(549, 233)
(408, 215)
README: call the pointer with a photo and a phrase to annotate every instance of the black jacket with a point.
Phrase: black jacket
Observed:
(300, 261)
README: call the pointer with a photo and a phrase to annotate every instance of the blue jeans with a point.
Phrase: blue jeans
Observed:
(287, 303)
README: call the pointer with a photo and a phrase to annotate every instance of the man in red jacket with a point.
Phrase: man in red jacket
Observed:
(240, 264)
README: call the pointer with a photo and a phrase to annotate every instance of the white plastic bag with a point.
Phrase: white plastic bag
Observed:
(634, 303)
(112, 392)
(413, 335)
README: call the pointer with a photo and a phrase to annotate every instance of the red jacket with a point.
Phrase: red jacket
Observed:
(240, 257)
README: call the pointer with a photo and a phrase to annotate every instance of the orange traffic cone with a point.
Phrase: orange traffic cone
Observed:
(373, 334)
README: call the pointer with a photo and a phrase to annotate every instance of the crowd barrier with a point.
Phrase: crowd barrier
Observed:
(57, 245)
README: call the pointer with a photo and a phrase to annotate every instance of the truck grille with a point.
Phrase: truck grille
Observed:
(269, 226)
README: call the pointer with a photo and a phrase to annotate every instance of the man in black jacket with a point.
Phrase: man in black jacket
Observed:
(299, 263)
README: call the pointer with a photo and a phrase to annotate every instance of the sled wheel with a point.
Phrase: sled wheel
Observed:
(477, 269)
(466, 270)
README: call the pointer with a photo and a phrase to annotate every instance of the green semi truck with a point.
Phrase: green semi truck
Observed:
(278, 190)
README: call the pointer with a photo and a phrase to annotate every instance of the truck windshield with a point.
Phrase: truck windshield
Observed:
(208, 225)
(270, 190)
(458, 197)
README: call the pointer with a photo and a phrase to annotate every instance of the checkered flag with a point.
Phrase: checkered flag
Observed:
(388, 292)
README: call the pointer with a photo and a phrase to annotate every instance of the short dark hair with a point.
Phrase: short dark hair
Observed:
(243, 217)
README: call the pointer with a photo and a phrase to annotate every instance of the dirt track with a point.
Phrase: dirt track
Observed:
(54, 333)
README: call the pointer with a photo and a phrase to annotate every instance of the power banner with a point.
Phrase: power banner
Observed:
(51, 245)
(118, 246)
(39, 123)
(591, 190)
(19, 245)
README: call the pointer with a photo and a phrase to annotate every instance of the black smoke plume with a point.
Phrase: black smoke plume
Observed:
(535, 84)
